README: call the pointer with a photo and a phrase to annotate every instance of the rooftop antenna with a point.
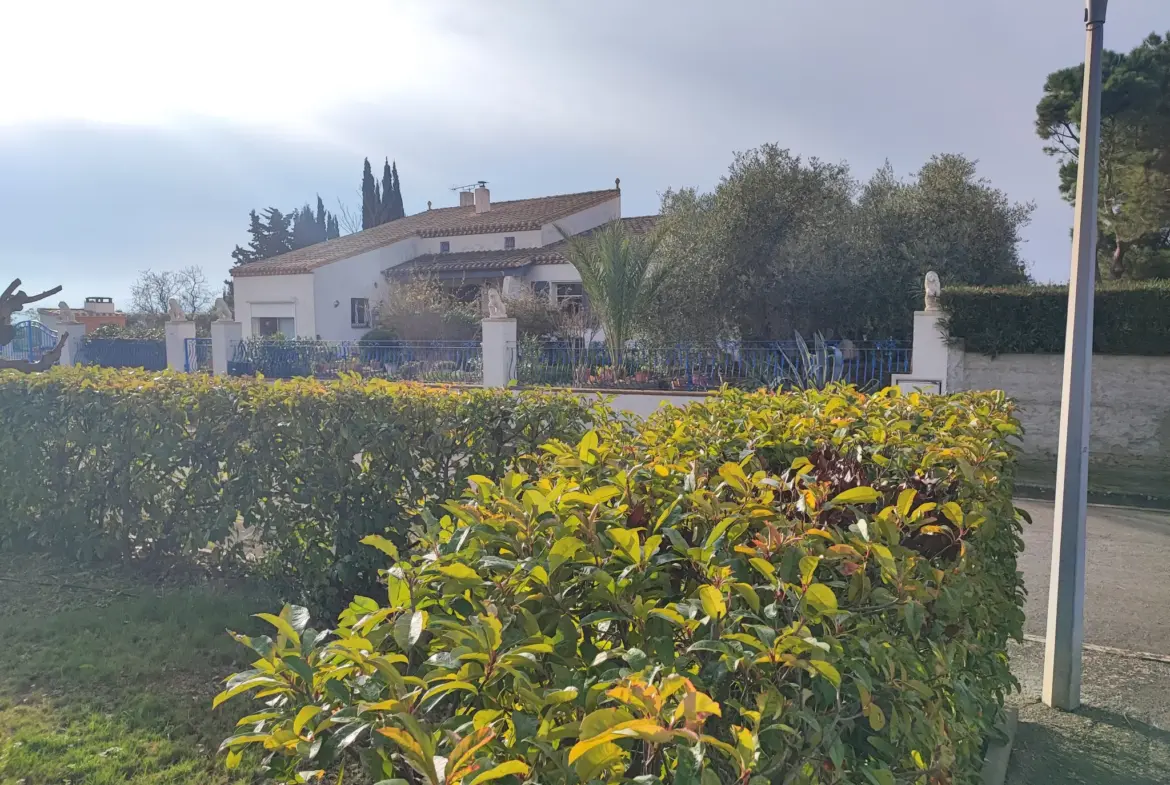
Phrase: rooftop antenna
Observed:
(476, 184)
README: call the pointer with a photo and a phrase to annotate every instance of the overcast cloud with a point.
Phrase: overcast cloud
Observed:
(134, 135)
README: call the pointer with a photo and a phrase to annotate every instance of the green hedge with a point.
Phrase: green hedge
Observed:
(101, 464)
(800, 588)
(1129, 318)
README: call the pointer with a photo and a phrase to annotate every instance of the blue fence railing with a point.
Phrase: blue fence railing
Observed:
(197, 355)
(748, 365)
(144, 353)
(31, 341)
(430, 361)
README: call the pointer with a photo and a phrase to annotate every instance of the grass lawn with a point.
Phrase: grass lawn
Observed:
(112, 683)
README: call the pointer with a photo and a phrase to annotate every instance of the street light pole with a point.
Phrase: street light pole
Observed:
(1066, 593)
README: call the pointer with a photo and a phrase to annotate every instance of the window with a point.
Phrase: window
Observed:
(444, 246)
(359, 312)
(541, 288)
(272, 326)
(509, 243)
(570, 296)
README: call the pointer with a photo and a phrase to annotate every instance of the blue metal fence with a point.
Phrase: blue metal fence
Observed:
(684, 367)
(123, 353)
(30, 343)
(197, 355)
(431, 361)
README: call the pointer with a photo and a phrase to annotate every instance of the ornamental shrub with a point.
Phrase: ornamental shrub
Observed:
(102, 464)
(798, 588)
(1130, 317)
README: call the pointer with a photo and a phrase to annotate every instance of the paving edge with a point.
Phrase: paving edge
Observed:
(995, 762)
(1133, 655)
(1097, 498)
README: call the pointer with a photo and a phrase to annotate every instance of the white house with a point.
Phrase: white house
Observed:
(328, 290)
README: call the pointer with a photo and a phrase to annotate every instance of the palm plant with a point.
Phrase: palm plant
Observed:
(619, 277)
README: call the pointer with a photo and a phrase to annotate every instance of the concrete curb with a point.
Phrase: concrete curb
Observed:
(1108, 499)
(1129, 653)
(995, 762)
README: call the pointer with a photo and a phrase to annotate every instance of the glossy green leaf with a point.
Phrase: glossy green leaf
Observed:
(860, 495)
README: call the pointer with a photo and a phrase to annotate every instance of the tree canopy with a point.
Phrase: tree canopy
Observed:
(787, 244)
(274, 232)
(1134, 192)
(152, 291)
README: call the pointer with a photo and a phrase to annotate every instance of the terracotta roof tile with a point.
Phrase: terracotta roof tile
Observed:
(514, 216)
(468, 261)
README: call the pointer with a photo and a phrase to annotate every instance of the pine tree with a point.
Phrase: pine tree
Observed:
(274, 233)
(397, 210)
(252, 252)
(277, 236)
(370, 198)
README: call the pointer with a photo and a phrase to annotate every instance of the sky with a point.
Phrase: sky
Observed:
(138, 135)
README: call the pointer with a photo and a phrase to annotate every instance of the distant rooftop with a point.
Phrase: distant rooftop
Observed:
(515, 216)
(514, 259)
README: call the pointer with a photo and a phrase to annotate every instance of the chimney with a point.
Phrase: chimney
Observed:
(99, 304)
(466, 199)
(483, 202)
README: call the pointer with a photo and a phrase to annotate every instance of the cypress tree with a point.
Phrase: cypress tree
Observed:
(387, 204)
(370, 197)
(304, 228)
(322, 216)
(397, 209)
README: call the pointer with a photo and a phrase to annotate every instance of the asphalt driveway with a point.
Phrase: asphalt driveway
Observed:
(1127, 592)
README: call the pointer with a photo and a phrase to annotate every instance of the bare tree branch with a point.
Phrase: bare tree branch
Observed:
(351, 223)
(192, 290)
(12, 300)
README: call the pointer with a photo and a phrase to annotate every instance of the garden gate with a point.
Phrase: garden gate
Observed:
(30, 343)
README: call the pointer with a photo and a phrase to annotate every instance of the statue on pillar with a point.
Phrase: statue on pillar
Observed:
(222, 311)
(496, 307)
(933, 292)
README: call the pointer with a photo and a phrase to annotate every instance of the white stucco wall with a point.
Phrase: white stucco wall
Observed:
(320, 301)
(563, 273)
(358, 276)
(582, 221)
(645, 404)
(50, 321)
(276, 295)
(479, 242)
